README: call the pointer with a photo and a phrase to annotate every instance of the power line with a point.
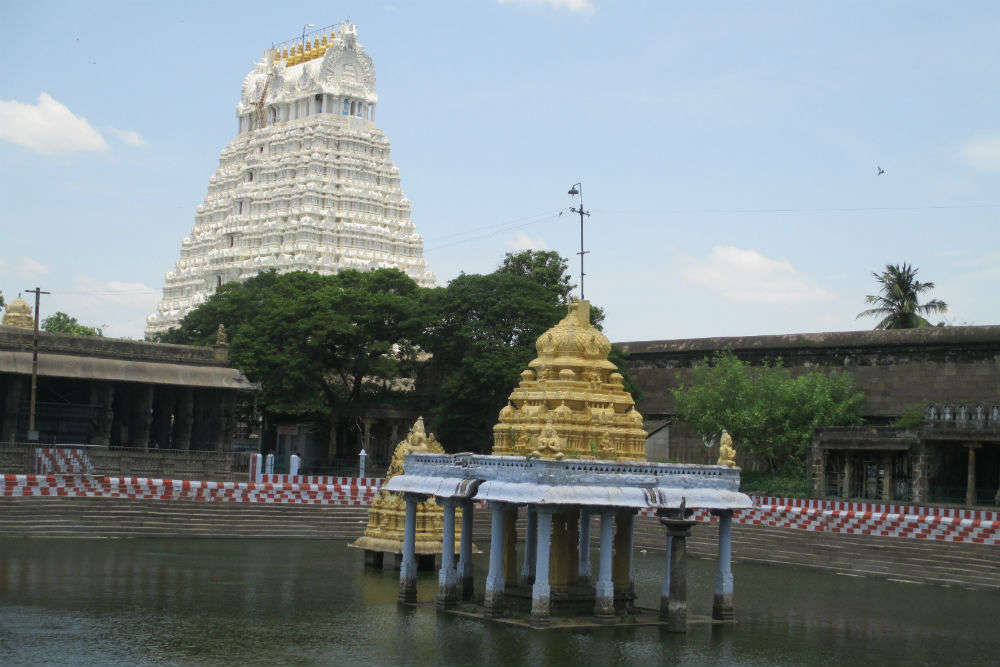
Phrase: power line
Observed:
(786, 211)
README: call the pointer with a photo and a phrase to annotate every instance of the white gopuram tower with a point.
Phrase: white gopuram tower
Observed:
(307, 185)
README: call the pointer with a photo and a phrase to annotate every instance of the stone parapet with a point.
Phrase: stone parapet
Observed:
(16, 339)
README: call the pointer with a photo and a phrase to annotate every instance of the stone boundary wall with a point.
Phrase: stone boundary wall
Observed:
(895, 369)
(830, 516)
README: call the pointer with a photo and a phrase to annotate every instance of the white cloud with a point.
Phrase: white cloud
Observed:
(580, 6)
(118, 307)
(130, 137)
(524, 242)
(982, 153)
(24, 268)
(48, 127)
(749, 277)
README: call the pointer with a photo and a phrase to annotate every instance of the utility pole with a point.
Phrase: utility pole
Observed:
(577, 189)
(32, 432)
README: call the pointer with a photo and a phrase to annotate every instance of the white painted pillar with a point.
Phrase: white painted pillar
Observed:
(530, 548)
(604, 604)
(447, 577)
(584, 570)
(540, 590)
(493, 599)
(722, 605)
(465, 567)
(408, 567)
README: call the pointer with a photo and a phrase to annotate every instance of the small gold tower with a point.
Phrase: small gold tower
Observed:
(18, 314)
(387, 513)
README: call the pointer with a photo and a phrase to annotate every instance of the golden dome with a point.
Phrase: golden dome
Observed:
(574, 337)
(18, 314)
(571, 402)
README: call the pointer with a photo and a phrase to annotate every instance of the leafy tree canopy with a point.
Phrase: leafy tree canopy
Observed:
(770, 414)
(60, 322)
(316, 344)
(898, 303)
(482, 335)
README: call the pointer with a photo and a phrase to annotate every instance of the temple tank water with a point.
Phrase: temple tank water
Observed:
(298, 602)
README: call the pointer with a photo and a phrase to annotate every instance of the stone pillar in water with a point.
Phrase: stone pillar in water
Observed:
(540, 591)
(675, 613)
(408, 566)
(493, 600)
(604, 605)
(465, 568)
(722, 605)
(530, 549)
(447, 577)
(584, 569)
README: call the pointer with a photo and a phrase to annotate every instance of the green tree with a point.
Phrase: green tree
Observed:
(60, 322)
(482, 331)
(770, 414)
(318, 345)
(898, 304)
(482, 335)
(545, 267)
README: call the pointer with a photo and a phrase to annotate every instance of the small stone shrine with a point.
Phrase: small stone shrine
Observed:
(568, 450)
(386, 516)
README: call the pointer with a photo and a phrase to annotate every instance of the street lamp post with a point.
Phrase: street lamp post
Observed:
(577, 190)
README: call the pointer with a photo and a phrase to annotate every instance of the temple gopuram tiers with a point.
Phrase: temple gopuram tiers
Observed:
(307, 185)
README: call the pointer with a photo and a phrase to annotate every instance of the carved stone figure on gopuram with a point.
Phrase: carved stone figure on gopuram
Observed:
(387, 513)
(571, 401)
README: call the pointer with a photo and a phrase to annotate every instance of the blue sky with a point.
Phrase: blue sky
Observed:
(726, 149)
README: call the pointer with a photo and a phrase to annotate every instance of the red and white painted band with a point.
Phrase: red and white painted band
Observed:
(851, 518)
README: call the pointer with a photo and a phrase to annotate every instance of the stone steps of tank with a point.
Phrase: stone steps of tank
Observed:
(919, 561)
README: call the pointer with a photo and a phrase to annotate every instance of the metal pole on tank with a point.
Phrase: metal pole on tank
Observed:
(575, 190)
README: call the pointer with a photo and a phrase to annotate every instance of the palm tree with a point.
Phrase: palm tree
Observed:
(898, 304)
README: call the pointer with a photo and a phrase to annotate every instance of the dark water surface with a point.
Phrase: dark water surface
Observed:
(296, 602)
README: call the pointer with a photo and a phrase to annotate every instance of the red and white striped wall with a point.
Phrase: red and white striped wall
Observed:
(832, 516)
(62, 461)
(142, 488)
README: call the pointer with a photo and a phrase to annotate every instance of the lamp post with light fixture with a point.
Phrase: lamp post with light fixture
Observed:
(577, 190)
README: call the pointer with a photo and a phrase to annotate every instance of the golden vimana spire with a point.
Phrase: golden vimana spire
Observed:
(314, 48)
(571, 401)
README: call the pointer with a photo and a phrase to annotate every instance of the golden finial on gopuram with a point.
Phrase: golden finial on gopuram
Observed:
(727, 453)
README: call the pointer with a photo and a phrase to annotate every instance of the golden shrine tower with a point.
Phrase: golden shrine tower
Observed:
(571, 401)
(387, 513)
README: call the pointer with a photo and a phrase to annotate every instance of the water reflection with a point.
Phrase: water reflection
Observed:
(215, 602)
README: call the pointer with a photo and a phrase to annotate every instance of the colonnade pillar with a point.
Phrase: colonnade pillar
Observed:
(540, 590)
(970, 481)
(887, 481)
(142, 416)
(465, 568)
(102, 398)
(408, 565)
(848, 479)
(722, 605)
(447, 577)
(11, 405)
(183, 419)
(530, 548)
(604, 591)
(493, 599)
